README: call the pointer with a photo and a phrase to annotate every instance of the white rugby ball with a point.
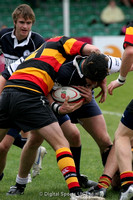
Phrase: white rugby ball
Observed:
(60, 94)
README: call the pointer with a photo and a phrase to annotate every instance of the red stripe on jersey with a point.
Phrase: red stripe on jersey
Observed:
(76, 48)
(33, 79)
(51, 61)
(128, 39)
(54, 39)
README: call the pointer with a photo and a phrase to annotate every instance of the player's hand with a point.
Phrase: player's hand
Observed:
(103, 92)
(114, 84)
(66, 107)
(85, 92)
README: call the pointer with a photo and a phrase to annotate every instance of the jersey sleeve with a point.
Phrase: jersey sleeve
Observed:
(128, 35)
(12, 68)
(114, 64)
(6, 74)
(67, 45)
(73, 46)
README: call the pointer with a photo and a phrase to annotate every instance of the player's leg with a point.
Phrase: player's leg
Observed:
(96, 127)
(123, 138)
(72, 134)
(54, 136)
(40, 114)
(92, 120)
(20, 141)
(122, 147)
(2, 157)
(123, 144)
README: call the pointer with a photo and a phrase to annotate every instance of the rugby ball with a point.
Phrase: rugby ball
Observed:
(60, 94)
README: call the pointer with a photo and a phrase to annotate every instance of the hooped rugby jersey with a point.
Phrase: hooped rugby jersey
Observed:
(38, 72)
(13, 50)
(128, 35)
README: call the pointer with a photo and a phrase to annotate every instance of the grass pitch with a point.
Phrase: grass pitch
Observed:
(50, 184)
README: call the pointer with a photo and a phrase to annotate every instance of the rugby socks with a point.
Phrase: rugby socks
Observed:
(105, 155)
(104, 182)
(67, 167)
(126, 180)
(76, 152)
(21, 181)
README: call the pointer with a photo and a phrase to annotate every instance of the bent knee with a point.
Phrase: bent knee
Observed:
(4, 148)
(75, 139)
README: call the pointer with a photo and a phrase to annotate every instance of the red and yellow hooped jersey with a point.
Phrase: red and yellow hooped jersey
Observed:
(128, 35)
(40, 68)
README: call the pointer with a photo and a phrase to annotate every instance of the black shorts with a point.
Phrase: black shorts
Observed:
(127, 117)
(27, 111)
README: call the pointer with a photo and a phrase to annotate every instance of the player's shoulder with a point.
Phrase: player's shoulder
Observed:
(6, 31)
(36, 36)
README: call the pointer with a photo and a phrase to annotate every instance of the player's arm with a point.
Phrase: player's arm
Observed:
(103, 92)
(127, 62)
(88, 48)
(2, 83)
(5, 75)
(64, 108)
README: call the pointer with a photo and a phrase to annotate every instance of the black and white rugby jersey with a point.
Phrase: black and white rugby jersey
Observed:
(13, 50)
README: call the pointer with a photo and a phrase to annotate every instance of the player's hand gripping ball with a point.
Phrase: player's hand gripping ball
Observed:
(60, 94)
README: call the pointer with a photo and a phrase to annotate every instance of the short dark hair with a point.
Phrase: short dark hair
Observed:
(95, 67)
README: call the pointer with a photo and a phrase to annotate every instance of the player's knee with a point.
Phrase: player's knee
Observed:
(33, 143)
(104, 143)
(75, 138)
(4, 148)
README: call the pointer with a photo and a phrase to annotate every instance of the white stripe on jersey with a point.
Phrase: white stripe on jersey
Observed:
(12, 67)
(114, 64)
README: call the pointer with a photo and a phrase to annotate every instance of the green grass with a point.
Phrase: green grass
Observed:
(50, 182)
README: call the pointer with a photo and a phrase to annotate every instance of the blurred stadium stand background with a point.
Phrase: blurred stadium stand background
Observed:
(84, 17)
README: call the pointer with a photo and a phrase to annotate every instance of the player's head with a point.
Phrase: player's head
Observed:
(23, 19)
(95, 67)
(23, 11)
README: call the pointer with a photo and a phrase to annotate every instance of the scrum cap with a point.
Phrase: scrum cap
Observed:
(95, 67)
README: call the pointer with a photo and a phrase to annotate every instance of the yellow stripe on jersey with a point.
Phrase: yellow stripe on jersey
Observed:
(23, 88)
(41, 74)
(54, 53)
(129, 31)
(68, 45)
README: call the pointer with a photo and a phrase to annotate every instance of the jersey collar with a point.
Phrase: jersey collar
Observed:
(75, 63)
(25, 42)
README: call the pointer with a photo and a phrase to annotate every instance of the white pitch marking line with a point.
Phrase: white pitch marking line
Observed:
(111, 113)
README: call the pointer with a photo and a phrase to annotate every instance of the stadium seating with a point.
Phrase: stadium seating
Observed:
(84, 17)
